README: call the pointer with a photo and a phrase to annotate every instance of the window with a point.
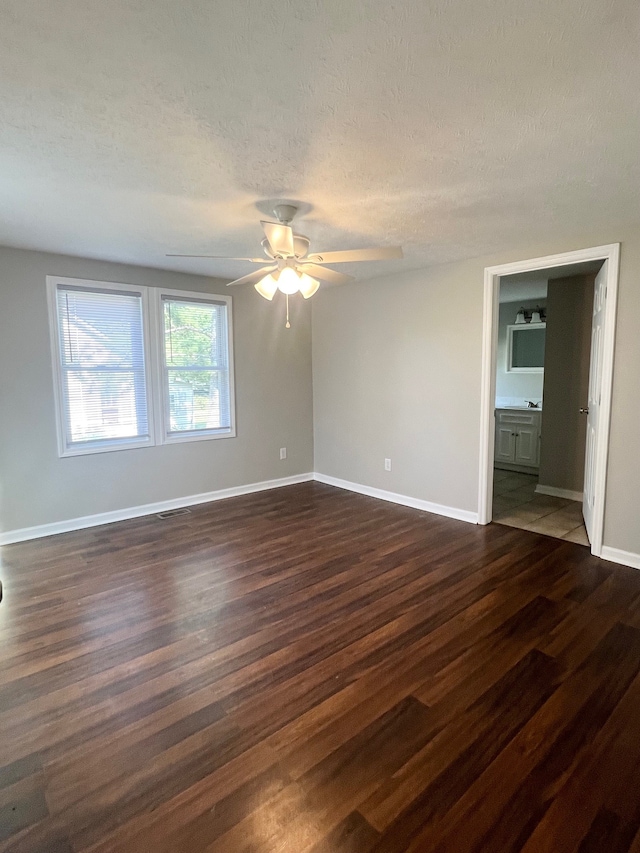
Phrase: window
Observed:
(195, 358)
(101, 366)
(107, 343)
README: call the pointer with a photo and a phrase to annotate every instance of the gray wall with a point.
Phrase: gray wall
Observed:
(566, 381)
(396, 374)
(397, 371)
(524, 386)
(273, 403)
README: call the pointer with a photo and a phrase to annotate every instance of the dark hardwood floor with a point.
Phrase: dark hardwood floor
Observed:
(311, 671)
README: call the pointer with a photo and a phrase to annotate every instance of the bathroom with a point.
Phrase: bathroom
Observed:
(542, 382)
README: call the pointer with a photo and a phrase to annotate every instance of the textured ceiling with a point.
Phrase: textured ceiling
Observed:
(521, 290)
(533, 285)
(131, 128)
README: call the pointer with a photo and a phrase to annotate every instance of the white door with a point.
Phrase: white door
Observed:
(527, 446)
(505, 443)
(592, 409)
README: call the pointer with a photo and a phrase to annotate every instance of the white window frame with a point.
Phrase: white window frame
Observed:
(155, 373)
(162, 398)
(65, 447)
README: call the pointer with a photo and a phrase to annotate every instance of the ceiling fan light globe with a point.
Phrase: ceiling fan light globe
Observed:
(267, 287)
(288, 281)
(308, 285)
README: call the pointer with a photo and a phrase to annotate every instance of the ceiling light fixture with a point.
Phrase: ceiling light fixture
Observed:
(267, 287)
(288, 281)
(308, 285)
(288, 262)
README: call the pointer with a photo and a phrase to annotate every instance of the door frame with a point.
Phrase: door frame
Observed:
(492, 275)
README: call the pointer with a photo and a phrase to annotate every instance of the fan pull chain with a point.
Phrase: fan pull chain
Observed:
(288, 325)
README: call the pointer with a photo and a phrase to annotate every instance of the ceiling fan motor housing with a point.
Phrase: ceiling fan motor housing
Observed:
(300, 246)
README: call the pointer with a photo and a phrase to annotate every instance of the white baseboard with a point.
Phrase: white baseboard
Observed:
(25, 533)
(615, 555)
(404, 500)
(559, 493)
(517, 469)
(625, 558)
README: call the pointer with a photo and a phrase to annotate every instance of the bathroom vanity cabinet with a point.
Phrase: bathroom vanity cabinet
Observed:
(517, 444)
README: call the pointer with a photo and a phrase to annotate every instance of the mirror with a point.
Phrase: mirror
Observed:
(525, 347)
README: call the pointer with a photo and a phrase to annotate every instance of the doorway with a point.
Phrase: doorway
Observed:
(542, 381)
(597, 411)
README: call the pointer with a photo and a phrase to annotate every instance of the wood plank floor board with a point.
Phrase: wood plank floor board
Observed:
(545, 781)
(504, 804)
(326, 726)
(604, 774)
(607, 832)
(443, 770)
(419, 572)
(127, 713)
(315, 671)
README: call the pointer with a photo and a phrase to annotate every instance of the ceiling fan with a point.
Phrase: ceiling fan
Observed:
(290, 268)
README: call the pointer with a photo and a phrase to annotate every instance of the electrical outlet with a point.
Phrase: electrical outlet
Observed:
(387, 464)
(283, 453)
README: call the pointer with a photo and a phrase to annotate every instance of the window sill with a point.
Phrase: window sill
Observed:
(176, 438)
(107, 447)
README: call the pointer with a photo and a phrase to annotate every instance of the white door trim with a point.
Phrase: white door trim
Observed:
(492, 275)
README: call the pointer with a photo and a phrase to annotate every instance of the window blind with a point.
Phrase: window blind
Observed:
(196, 366)
(102, 365)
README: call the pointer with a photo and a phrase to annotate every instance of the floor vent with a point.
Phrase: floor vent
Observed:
(171, 512)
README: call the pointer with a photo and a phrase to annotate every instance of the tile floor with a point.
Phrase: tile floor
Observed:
(516, 503)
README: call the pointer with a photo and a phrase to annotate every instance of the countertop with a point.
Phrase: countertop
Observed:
(518, 408)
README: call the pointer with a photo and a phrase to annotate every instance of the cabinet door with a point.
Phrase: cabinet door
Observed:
(527, 445)
(505, 443)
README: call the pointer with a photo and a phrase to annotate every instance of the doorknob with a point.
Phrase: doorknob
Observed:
(584, 411)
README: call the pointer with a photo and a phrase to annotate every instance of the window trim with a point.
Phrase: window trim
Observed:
(107, 445)
(164, 436)
(153, 343)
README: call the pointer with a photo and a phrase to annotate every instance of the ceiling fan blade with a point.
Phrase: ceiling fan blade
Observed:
(253, 277)
(383, 253)
(217, 258)
(280, 238)
(325, 274)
